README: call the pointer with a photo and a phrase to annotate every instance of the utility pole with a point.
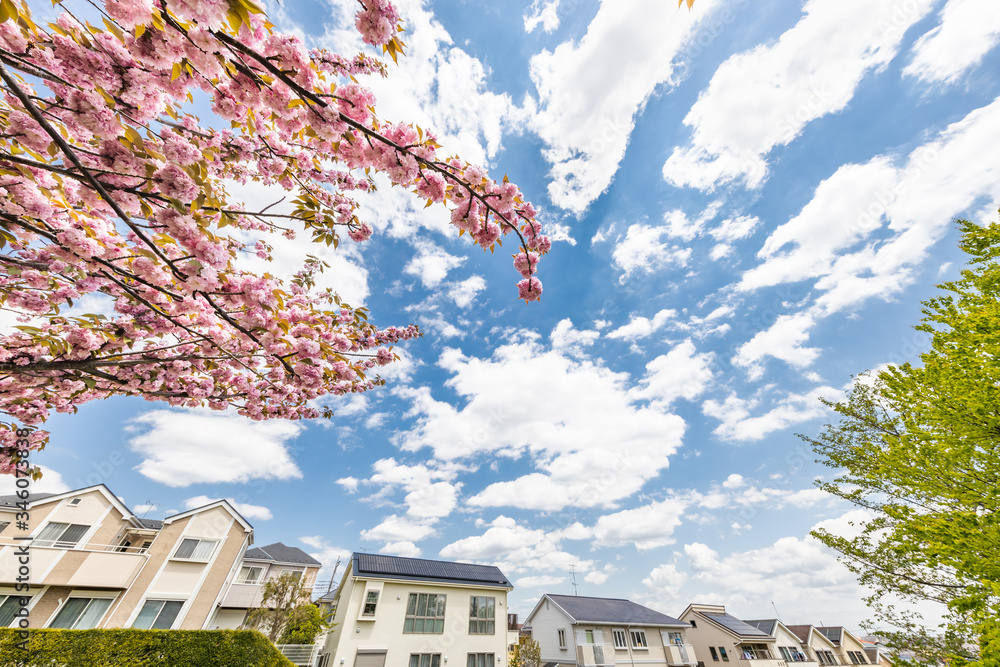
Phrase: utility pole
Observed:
(336, 567)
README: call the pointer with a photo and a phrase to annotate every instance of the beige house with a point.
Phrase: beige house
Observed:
(411, 612)
(720, 638)
(258, 565)
(787, 643)
(815, 643)
(578, 630)
(94, 564)
(849, 648)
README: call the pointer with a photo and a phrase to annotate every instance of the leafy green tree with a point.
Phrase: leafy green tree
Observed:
(916, 446)
(304, 624)
(525, 653)
(283, 600)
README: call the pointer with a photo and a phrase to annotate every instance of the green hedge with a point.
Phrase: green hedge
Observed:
(140, 648)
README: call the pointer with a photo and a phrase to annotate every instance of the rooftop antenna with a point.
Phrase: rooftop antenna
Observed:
(776, 612)
(149, 506)
(573, 571)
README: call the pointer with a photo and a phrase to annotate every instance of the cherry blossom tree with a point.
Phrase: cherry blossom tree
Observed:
(109, 185)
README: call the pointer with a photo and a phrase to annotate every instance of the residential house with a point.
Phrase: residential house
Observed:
(258, 565)
(787, 643)
(579, 630)
(847, 646)
(876, 650)
(94, 564)
(815, 643)
(719, 637)
(413, 612)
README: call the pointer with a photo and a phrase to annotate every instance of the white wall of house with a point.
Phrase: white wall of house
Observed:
(546, 621)
(357, 634)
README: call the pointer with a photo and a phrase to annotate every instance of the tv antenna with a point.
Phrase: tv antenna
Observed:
(572, 569)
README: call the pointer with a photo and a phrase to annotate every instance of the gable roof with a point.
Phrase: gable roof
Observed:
(223, 503)
(378, 566)
(736, 626)
(280, 553)
(12, 500)
(800, 631)
(582, 609)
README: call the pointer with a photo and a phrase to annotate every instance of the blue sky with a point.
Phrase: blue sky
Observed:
(748, 202)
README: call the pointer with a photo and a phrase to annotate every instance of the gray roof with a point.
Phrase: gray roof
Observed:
(280, 553)
(611, 610)
(736, 626)
(153, 524)
(417, 569)
(767, 625)
(12, 500)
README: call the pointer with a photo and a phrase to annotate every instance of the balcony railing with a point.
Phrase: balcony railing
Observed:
(680, 654)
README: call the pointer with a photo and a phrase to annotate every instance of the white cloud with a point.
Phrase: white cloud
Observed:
(396, 529)
(914, 203)
(540, 581)
(51, 482)
(142, 510)
(565, 337)
(643, 251)
(463, 293)
(681, 373)
(544, 13)
(734, 481)
(430, 493)
(783, 340)
(325, 553)
(642, 327)
(967, 31)
(738, 423)
(405, 549)
(647, 527)
(350, 484)
(764, 98)
(665, 583)
(587, 98)
(734, 229)
(431, 263)
(562, 429)
(227, 447)
(246, 509)
(516, 548)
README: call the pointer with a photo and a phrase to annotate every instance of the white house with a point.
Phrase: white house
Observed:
(579, 630)
(410, 612)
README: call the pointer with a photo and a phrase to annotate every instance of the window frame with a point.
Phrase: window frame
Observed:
(199, 541)
(430, 660)
(723, 654)
(56, 541)
(16, 598)
(561, 634)
(715, 654)
(368, 601)
(437, 619)
(163, 603)
(619, 638)
(641, 635)
(480, 621)
(91, 598)
(258, 580)
(488, 660)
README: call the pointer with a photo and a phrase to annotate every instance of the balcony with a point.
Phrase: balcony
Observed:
(679, 654)
(755, 656)
(90, 566)
(595, 654)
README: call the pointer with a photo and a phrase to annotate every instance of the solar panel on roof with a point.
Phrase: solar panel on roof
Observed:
(378, 564)
(736, 625)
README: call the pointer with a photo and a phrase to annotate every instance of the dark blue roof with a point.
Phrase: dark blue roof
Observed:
(735, 625)
(611, 610)
(767, 626)
(397, 567)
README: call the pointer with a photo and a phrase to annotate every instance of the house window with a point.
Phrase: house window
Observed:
(74, 502)
(158, 614)
(722, 652)
(675, 638)
(826, 657)
(857, 657)
(425, 659)
(639, 639)
(480, 660)
(81, 613)
(620, 638)
(249, 574)
(63, 535)
(192, 549)
(482, 615)
(9, 606)
(715, 655)
(3, 524)
(562, 638)
(371, 602)
(424, 614)
(693, 624)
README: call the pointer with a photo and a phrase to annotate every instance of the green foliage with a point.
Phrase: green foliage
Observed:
(139, 648)
(282, 602)
(916, 446)
(304, 623)
(526, 653)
